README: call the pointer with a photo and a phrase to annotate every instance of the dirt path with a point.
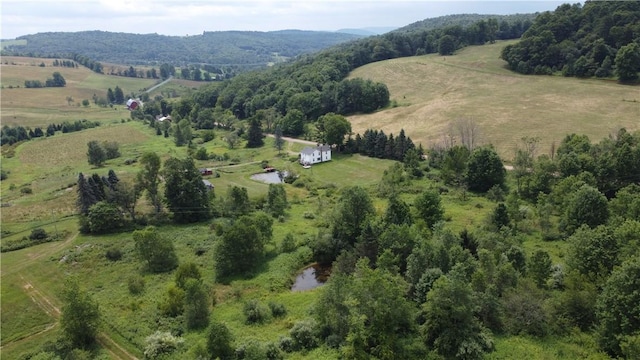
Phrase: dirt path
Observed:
(158, 85)
(290, 139)
(48, 305)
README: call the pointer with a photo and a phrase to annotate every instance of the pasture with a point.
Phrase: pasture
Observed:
(433, 91)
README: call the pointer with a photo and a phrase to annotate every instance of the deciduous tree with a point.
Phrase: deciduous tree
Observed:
(484, 170)
(618, 306)
(96, 154)
(157, 251)
(148, 179)
(80, 316)
(185, 194)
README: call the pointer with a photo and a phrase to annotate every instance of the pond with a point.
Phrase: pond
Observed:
(269, 177)
(311, 277)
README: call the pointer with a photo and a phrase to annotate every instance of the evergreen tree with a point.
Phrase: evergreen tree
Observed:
(279, 142)
(118, 95)
(254, 135)
(86, 197)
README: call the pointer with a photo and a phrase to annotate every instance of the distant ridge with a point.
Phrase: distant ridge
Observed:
(368, 31)
(222, 48)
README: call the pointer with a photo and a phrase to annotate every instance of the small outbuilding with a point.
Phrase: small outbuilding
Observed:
(208, 184)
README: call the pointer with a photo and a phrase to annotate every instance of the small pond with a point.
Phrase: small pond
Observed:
(269, 177)
(311, 277)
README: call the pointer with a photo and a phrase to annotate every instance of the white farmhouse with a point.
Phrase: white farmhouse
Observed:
(314, 155)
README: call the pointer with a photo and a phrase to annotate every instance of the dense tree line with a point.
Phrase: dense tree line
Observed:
(581, 40)
(13, 134)
(65, 63)
(56, 81)
(375, 143)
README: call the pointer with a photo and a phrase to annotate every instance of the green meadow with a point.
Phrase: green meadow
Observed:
(445, 88)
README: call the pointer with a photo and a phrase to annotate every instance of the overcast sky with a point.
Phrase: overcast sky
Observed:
(192, 17)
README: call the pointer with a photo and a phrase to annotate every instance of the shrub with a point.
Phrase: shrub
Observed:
(288, 244)
(38, 234)
(161, 343)
(303, 335)
(26, 190)
(286, 344)
(113, 254)
(219, 341)
(254, 312)
(135, 284)
(4, 175)
(277, 309)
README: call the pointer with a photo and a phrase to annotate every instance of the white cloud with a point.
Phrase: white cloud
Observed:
(173, 17)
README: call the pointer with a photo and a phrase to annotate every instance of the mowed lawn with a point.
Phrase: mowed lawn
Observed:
(432, 91)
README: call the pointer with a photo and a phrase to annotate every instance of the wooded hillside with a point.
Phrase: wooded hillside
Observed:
(244, 48)
(581, 41)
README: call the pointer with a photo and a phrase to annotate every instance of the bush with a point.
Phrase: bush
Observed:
(161, 343)
(303, 334)
(38, 234)
(277, 309)
(4, 175)
(135, 284)
(113, 254)
(288, 244)
(286, 344)
(26, 190)
(255, 312)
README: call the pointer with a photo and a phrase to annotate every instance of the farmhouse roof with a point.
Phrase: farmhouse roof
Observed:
(307, 151)
(324, 147)
(207, 183)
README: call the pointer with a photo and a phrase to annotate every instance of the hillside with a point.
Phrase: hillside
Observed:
(433, 91)
(219, 48)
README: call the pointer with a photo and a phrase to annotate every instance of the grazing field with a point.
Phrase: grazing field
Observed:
(432, 91)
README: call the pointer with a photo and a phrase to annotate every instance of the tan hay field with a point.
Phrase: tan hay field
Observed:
(40, 107)
(432, 91)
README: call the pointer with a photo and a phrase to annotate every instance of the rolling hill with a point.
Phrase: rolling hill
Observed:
(432, 91)
(219, 48)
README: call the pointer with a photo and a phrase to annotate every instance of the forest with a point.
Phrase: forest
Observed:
(245, 49)
(581, 41)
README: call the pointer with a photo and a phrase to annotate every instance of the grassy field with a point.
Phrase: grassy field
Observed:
(33, 277)
(432, 91)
